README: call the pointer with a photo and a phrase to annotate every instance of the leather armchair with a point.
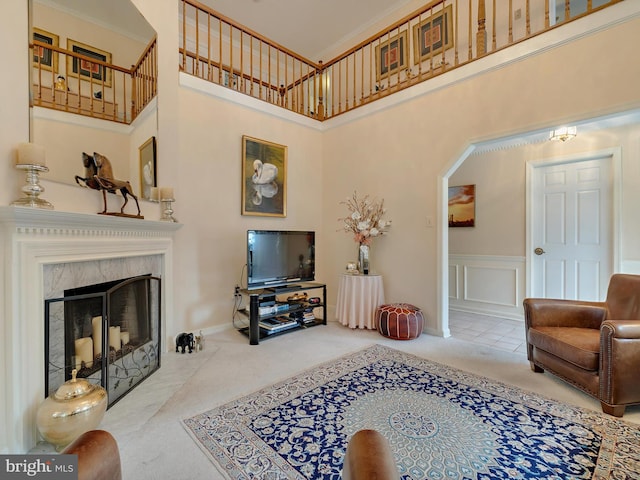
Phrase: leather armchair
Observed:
(594, 346)
(98, 456)
(368, 457)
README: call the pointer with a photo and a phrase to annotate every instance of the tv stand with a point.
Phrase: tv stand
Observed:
(256, 332)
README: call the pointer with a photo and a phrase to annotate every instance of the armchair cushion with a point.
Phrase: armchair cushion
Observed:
(579, 346)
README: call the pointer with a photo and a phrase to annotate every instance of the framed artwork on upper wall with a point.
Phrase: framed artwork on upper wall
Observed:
(85, 67)
(391, 56)
(462, 206)
(45, 57)
(148, 177)
(432, 35)
(264, 178)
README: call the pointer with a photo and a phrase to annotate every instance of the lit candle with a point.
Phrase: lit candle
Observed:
(31, 154)
(124, 337)
(96, 323)
(84, 351)
(154, 193)
(166, 193)
(114, 338)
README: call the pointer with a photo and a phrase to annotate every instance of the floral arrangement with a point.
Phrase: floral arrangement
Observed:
(365, 220)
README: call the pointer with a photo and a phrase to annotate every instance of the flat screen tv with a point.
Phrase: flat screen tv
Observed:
(277, 258)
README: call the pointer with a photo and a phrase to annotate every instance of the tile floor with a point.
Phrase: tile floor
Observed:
(500, 333)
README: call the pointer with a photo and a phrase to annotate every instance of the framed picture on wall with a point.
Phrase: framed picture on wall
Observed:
(85, 67)
(148, 177)
(264, 178)
(462, 206)
(391, 56)
(432, 35)
(45, 57)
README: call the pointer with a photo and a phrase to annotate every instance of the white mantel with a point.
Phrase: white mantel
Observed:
(31, 238)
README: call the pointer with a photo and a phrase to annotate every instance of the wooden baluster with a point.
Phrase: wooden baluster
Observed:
(260, 80)
(589, 5)
(340, 86)
(546, 14)
(230, 56)
(456, 59)
(197, 69)
(481, 35)
(469, 35)
(251, 65)
(278, 76)
(493, 28)
(241, 72)
(362, 75)
(355, 77)
(219, 51)
(567, 10)
(528, 12)
(209, 73)
(511, 21)
(184, 36)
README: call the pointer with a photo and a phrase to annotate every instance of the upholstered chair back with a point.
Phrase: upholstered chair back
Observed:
(623, 297)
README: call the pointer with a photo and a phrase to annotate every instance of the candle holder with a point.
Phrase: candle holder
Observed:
(167, 211)
(32, 189)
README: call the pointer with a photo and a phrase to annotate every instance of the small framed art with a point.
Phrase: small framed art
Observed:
(462, 206)
(84, 67)
(432, 35)
(264, 178)
(148, 168)
(45, 57)
(391, 56)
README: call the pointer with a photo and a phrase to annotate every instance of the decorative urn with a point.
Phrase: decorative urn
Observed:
(76, 407)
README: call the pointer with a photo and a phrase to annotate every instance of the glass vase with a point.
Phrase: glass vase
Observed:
(363, 259)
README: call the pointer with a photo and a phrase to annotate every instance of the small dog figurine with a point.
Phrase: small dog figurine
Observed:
(184, 340)
(199, 342)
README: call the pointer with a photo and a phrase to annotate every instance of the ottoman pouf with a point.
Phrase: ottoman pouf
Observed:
(400, 321)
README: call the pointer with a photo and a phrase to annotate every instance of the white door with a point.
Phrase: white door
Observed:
(572, 229)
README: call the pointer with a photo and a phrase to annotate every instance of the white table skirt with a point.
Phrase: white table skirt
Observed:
(358, 298)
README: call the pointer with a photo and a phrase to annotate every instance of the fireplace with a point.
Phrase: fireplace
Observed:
(46, 252)
(108, 332)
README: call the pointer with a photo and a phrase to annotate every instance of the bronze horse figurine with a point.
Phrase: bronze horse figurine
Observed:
(99, 176)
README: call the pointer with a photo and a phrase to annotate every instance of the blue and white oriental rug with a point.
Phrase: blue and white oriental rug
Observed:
(442, 423)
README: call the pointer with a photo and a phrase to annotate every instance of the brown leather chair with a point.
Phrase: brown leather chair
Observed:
(98, 456)
(369, 457)
(594, 346)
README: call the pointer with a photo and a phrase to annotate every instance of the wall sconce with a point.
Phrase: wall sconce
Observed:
(563, 133)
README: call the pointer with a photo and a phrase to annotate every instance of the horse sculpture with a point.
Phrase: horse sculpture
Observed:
(99, 176)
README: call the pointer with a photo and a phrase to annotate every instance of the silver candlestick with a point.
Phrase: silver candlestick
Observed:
(167, 211)
(32, 188)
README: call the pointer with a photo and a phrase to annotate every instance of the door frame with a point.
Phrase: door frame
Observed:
(615, 155)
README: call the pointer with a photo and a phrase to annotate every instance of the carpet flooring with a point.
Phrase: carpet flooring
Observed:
(440, 421)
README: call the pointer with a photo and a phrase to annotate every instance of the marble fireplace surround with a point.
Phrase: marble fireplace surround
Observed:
(36, 242)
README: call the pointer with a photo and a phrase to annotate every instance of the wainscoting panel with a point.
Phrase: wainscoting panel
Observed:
(487, 285)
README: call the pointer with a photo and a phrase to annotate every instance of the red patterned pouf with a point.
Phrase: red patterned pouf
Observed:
(400, 321)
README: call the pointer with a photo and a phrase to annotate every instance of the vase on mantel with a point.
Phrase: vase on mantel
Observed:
(363, 259)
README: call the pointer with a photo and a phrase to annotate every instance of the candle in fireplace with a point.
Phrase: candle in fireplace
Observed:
(84, 350)
(124, 338)
(96, 323)
(114, 338)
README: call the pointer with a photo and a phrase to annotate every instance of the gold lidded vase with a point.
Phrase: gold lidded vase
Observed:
(76, 407)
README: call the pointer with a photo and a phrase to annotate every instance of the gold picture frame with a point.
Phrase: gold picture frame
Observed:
(392, 56)
(148, 169)
(86, 69)
(46, 58)
(432, 35)
(264, 178)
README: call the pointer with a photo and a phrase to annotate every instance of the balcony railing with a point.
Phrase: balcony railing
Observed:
(93, 87)
(441, 36)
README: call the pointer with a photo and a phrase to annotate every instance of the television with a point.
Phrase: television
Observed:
(278, 258)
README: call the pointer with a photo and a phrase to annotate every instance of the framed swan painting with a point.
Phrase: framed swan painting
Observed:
(264, 178)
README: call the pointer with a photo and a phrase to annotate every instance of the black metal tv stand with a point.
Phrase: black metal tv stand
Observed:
(257, 298)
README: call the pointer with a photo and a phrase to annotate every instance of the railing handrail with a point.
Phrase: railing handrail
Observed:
(144, 54)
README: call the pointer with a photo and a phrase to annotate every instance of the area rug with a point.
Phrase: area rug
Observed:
(442, 423)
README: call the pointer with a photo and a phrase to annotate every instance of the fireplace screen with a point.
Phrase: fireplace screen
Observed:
(109, 333)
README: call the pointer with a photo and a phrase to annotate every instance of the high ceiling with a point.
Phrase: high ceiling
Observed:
(307, 27)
